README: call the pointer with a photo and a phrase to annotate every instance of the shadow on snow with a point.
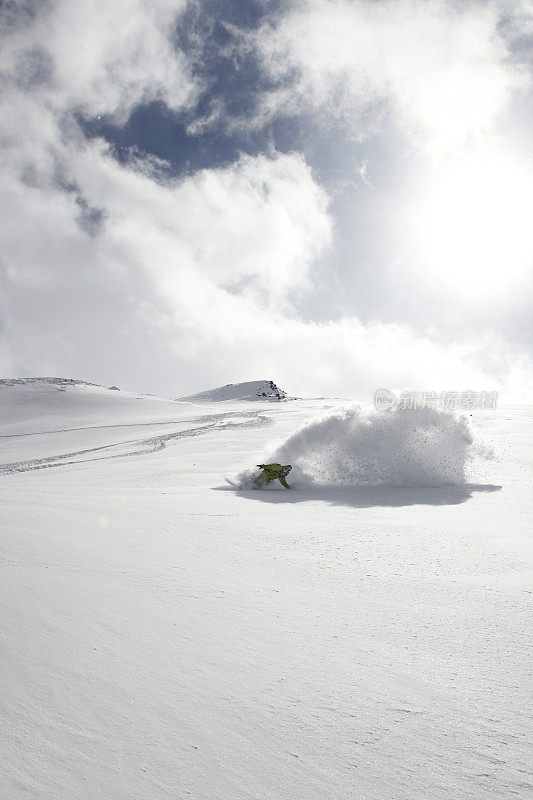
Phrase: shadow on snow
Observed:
(367, 496)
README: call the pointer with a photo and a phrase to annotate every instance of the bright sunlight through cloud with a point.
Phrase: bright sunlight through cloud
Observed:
(473, 228)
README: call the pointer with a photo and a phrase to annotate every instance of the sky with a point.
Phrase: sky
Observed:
(333, 194)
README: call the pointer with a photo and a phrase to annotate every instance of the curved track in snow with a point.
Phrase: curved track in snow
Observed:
(135, 447)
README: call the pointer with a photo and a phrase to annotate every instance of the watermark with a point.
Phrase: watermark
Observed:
(468, 400)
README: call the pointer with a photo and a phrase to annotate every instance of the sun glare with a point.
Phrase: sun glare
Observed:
(475, 229)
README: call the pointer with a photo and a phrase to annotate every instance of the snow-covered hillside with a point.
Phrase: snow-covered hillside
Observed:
(167, 636)
(29, 402)
(249, 390)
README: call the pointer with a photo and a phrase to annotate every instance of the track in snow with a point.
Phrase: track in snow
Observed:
(249, 419)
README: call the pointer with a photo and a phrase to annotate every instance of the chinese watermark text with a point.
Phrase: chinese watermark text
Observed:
(452, 400)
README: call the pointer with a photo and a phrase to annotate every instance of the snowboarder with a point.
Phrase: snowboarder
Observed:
(271, 472)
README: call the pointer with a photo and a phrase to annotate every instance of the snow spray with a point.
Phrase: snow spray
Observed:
(399, 447)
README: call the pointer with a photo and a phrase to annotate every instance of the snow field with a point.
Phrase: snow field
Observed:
(166, 636)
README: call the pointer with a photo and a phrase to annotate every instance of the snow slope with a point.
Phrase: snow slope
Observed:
(167, 636)
(247, 391)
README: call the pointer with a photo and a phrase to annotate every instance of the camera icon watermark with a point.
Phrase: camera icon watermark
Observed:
(384, 399)
(468, 400)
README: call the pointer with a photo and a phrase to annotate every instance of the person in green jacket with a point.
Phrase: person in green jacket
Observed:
(271, 472)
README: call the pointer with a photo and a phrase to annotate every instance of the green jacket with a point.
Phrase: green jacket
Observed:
(274, 471)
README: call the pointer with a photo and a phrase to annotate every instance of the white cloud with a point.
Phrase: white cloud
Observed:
(443, 68)
(100, 57)
(145, 303)
(110, 273)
